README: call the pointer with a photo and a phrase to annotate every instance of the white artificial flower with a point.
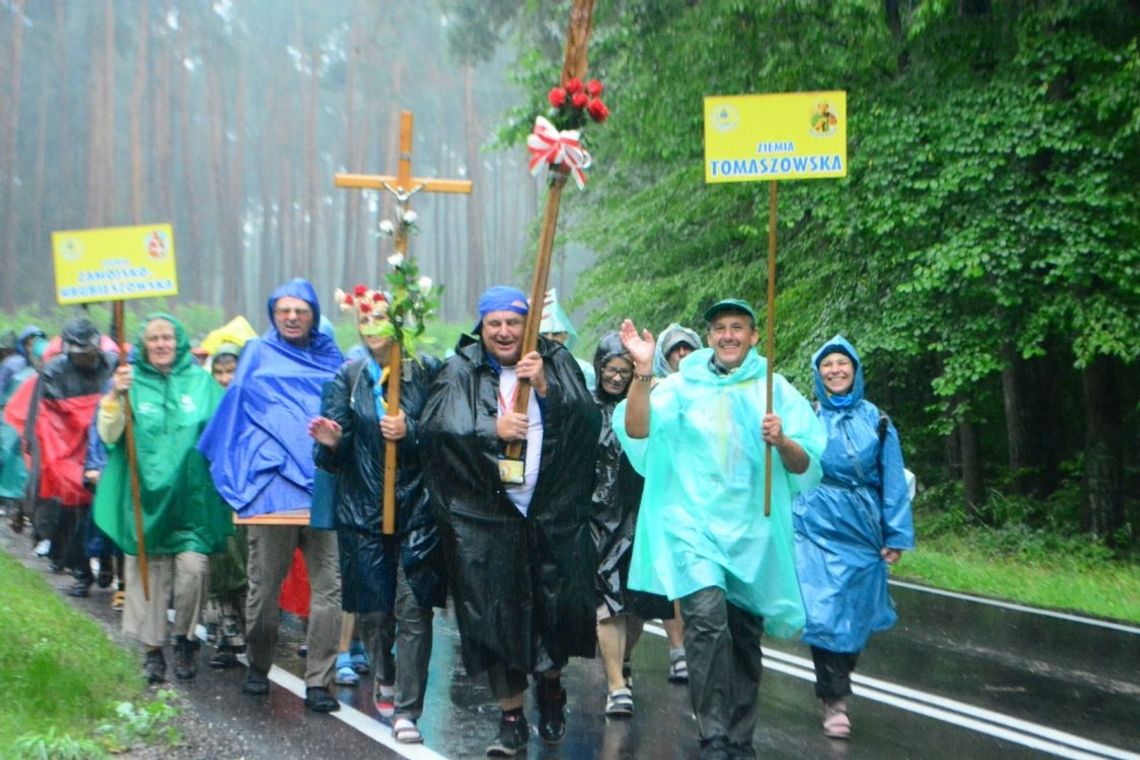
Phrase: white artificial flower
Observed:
(387, 228)
(410, 217)
(425, 285)
(396, 260)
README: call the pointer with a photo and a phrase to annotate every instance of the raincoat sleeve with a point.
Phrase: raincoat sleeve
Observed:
(662, 405)
(334, 405)
(898, 518)
(801, 424)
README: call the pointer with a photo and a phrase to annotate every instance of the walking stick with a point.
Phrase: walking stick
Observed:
(132, 463)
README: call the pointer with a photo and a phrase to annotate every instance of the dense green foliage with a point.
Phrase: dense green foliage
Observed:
(982, 252)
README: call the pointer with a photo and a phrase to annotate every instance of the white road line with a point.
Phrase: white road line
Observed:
(1015, 730)
(365, 724)
(1123, 627)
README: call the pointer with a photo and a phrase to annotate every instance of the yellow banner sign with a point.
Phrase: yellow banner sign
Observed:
(797, 135)
(114, 263)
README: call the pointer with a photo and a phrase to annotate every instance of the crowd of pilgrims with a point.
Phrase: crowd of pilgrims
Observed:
(639, 494)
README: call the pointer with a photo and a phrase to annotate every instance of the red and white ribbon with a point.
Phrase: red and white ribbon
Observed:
(548, 147)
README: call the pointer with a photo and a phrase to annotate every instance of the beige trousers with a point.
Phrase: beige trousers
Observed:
(185, 576)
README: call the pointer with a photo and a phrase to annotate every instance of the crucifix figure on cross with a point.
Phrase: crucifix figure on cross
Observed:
(402, 186)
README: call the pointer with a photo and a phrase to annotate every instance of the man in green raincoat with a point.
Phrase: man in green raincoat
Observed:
(702, 536)
(184, 518)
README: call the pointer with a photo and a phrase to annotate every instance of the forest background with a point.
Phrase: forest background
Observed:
(983, 252)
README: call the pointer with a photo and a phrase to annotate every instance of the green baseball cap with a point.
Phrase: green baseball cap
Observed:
(729, 304)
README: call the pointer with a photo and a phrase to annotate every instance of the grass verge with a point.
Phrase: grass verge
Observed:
(59, 672)
(1041, 571)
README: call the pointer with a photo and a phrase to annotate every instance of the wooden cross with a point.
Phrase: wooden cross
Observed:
(403, 186)
(574, 65)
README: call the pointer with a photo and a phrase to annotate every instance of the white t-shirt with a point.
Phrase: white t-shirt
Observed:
(520, 495)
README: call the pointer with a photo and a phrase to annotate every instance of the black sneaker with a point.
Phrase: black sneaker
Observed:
(155, 666)
(256, 682)
(513, 735)
(551, 698)
(225, 657)
(81, 589)
(318, 699)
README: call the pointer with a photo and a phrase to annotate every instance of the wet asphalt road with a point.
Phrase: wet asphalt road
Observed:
(954, 679)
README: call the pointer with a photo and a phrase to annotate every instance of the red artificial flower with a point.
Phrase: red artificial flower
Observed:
(597, 110)
(578, 100)
(378, 296)
(365, 308)
(556, 96)
(574, 85)
(594, 88)
(360, 290)
(349, 300)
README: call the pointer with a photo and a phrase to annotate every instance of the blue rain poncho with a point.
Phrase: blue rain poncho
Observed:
(861, 507)
(258, 442)
(702, 520)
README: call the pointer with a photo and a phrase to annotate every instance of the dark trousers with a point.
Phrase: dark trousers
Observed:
(722, 646)
(408, 627)
(833, 673)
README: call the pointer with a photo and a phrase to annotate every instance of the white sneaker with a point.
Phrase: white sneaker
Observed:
(43, 548)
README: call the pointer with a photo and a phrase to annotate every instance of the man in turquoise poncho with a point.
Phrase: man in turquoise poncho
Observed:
(702, 536)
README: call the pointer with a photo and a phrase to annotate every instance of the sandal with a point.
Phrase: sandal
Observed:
(405, 731)
(619, 703)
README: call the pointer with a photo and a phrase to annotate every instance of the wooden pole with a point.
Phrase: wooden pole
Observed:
(771, 337)
(538, 292)
(574, 65)
(132, 462)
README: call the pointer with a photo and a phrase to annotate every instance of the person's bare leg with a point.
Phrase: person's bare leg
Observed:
(612, 644)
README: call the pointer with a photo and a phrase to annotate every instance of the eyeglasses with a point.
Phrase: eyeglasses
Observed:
(617, 372)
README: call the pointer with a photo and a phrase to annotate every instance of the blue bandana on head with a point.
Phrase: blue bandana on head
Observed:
(501, 298)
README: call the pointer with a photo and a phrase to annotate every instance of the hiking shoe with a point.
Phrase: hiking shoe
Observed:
(318, 699)
(513, 735)
(619, 703)
(678, 668)
(716, 748)
(256, 682)
(345, 674)
(155, 666)
(225, 657)
(185, 651)
(836, 724)
(551, 698)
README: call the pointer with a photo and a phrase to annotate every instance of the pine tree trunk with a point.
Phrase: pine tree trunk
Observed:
(10, 125)
(476, 250)
(138, 95)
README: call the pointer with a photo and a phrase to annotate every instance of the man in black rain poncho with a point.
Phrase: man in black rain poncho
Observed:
(522, 559)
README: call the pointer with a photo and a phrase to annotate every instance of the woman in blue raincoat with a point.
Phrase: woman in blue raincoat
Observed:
(849, 529)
